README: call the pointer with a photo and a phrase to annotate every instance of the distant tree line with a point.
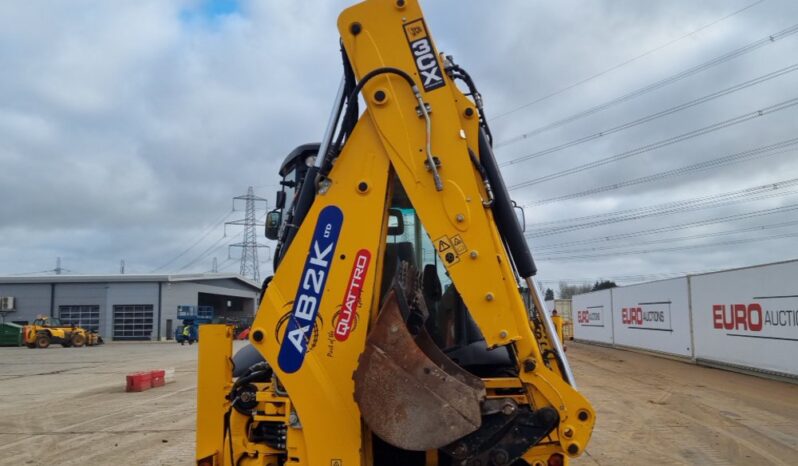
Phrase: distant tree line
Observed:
(568, 291)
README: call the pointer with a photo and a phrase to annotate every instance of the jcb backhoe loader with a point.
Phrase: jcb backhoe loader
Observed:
(394, 330)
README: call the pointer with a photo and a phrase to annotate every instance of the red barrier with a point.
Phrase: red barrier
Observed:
(139, 381)
(158, 376)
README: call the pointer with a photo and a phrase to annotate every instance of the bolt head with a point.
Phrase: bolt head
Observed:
(503, 334)
(355, 28)
(508, 409)
(460, 218)
(474, 254)
(529, 365)
(257, 335)
(489, 297)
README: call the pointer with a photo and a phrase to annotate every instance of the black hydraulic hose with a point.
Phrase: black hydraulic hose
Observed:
(348, 124)
(307, 193)
(351, 105)
(456, 72)
(254, 376)
(484, 174)
(503, 212)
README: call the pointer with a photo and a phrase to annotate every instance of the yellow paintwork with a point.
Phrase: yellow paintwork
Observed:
(389, 140)
(214, 377)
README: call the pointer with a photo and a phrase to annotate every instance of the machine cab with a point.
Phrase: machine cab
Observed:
(293, 171)
(50, 322)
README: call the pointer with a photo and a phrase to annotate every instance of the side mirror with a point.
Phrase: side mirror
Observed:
(273, 221)
(520, 215)
(279, 201)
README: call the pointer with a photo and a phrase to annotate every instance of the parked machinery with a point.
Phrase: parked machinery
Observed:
(192, 317)
(45, 331)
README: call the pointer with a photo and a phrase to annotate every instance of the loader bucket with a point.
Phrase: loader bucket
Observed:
(412, 399)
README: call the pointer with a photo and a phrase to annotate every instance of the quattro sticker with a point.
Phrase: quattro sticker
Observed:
(347, 317)
(429, 69)
(314, 275)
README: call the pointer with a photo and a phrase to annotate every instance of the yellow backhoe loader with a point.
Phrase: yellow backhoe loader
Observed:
(394, 330)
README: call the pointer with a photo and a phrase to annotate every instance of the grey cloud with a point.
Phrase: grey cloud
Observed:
(125, 131)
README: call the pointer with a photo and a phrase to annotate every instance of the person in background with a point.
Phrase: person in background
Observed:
(557, 320)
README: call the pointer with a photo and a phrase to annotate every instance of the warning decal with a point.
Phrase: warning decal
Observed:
(459, 245)
(444, 244)
(450, 248)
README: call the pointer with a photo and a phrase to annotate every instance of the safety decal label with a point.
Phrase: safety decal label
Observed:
(314, 275)
(450, 248)
(348, 314)
(459, 245)
(429, 70)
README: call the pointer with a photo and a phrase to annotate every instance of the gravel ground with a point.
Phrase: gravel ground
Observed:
(67, 406)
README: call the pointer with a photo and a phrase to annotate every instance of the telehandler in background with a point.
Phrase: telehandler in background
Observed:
(394, 331)
(49, 330)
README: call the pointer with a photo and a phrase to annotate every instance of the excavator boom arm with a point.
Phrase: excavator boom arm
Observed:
(338, 348)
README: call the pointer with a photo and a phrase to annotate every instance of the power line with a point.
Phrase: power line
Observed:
(29, 273)
(250, 265)
(654, 116)
(666, 81)
(660, 144)
(193, 245)
(613, 68)
(209, 250)
(685, 206)
(716, 234)
(670, 228)
(751, 154)
(753, 190)
(670, 249)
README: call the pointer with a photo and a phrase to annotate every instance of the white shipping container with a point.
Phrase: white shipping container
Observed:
(748, 317)
(653, 316)
(592, 314)
(563, 307)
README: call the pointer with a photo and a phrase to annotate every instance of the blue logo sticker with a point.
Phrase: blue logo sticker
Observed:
(294, 345)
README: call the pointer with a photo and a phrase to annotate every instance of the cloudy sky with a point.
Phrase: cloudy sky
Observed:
(639, 136)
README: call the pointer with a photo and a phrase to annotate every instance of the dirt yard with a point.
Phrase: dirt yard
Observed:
(67, 406)
(652, 410)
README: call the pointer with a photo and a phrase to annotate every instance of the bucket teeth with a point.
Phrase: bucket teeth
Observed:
(409, 392)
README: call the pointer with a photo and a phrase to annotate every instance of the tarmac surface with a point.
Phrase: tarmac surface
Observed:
(67, 406)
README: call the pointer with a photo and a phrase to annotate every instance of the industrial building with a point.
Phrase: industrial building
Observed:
(127, 307)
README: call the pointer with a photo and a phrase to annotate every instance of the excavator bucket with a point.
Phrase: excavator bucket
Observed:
(409, 392)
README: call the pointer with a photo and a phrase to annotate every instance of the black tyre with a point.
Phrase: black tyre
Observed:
(78, 340)
(42, 340)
